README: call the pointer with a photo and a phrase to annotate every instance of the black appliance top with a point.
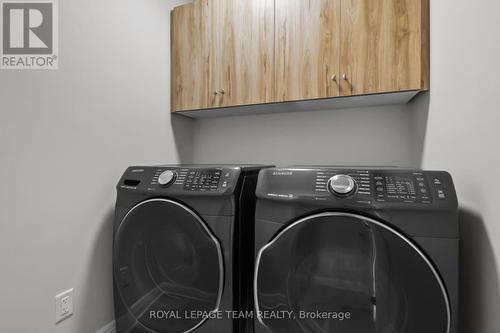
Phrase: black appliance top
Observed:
(243, 167)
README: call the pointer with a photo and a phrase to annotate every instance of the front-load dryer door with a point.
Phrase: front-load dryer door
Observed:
(344, 273)
(168, 267)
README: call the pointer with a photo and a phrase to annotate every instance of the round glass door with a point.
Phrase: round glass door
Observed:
(168, 266)
(344, 273)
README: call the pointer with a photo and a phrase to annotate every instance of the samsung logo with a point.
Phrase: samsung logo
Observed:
(282, 173)
(137, 170)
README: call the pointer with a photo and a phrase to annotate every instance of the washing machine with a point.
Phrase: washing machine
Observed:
(179, 250)
(356, 250)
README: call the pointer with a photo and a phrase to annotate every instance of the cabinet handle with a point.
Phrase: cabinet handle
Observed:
(344, 77)
(222, 91)
(334, 77)
(216, 92)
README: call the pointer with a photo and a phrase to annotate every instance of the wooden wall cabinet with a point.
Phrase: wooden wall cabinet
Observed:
(222, 54)
(193, 68)
(247, 52)
(229, 53)
(384, 46)
(307, 49)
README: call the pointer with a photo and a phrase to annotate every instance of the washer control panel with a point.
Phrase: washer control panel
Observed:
(177, 179)
(167, 177)
(203, 180)
(173, 179)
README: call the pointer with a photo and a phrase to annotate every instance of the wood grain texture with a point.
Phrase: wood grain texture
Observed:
(193, 69)
(214, 51)
(247, 51)
(425, 66)
(307, 48)
(264, 51)
(381, 48)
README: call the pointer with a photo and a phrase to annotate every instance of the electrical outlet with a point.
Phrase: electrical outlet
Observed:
(64, 305)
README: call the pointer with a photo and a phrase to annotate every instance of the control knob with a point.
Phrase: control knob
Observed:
(342, 185)
(166, 178)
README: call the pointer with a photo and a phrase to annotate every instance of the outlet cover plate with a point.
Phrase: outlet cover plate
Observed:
(64, 305)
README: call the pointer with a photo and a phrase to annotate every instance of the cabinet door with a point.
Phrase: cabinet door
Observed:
(193, 65)
(246, 51)
(383, 46)
(307, 49)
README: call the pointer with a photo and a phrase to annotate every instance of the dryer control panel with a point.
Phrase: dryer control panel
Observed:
(402, 187)
(369, 186)
(381, 186)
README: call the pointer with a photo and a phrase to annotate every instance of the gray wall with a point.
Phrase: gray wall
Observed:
(455, 128)
(65, 137)
(367, 136)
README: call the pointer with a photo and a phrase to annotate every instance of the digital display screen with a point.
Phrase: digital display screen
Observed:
(402, 188)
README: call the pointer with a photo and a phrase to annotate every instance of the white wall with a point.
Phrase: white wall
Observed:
(463, 136)
(65, 138)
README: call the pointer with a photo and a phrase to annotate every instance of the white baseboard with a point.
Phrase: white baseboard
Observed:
(109, 328)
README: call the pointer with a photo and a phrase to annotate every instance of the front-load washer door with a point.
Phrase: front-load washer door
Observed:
(168, 267)
(345, 273)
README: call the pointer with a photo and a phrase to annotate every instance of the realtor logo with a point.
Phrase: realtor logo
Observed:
(29, 34)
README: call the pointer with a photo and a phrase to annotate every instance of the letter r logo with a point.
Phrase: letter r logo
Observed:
(27, 27)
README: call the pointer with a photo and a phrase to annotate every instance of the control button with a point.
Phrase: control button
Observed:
(342, 184)
(437, 181)
(166, 178)
(441, 194)
(423, 190)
